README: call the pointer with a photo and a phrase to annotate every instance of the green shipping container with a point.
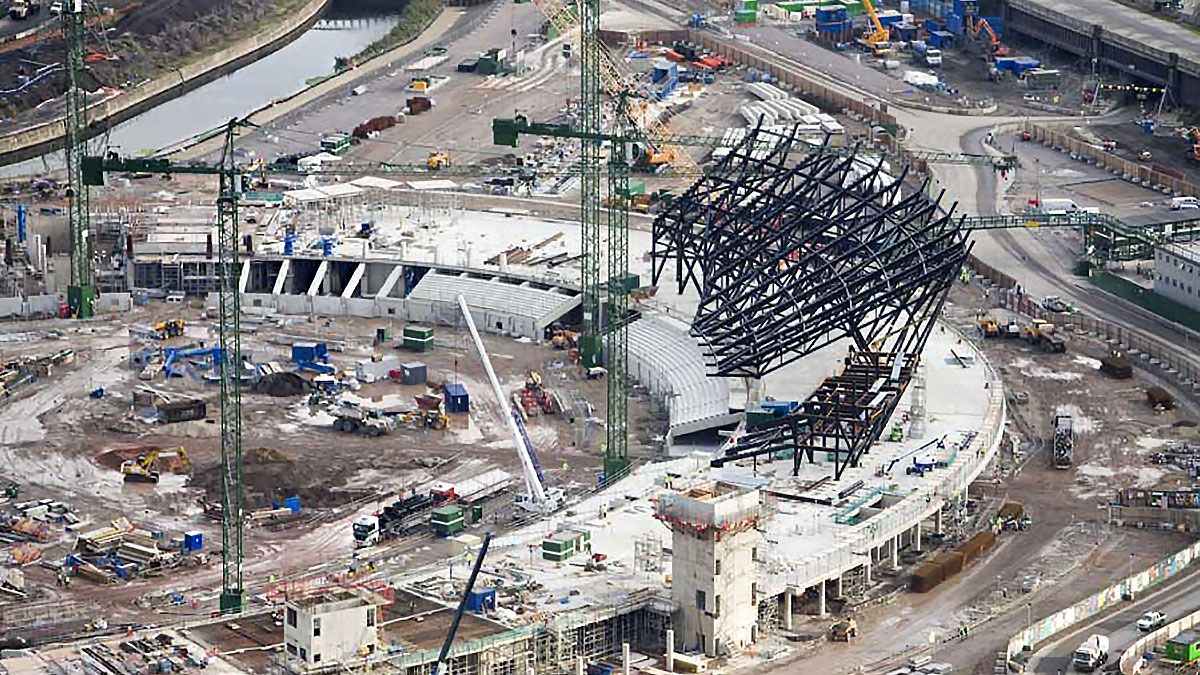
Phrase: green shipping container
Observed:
(1183, 647)
(750, 5)
(447, 520)
(745, 16)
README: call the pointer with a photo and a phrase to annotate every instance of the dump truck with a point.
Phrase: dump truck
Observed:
(989, 328)
(353, 419)
(843, 631)
(1062, 445)
(1092, 654)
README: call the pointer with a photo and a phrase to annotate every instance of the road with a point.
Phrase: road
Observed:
(1178, 600)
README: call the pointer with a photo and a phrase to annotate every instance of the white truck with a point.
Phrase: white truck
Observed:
(23, 9)
(1092, 654)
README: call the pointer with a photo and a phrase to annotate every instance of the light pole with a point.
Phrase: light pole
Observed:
(1029, 626)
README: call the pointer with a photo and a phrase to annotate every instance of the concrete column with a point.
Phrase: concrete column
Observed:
(917, 537)
(670, 651)
(821, 598)
(625, 658)
(840, 591)
(867, 576)
(896, 552)
(787, 610)
(580, 666)
(937, 522)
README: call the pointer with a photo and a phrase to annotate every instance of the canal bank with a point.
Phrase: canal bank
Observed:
(431, 35)
(44, 138)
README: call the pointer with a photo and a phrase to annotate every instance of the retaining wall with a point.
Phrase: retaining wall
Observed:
(45, 137)
(1131, 658)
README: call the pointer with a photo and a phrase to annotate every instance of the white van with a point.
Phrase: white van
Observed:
(1181, 203)
(1053, 206)
(176, 298)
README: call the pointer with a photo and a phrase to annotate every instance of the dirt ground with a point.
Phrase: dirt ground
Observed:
(59, 443)
(1169, 152)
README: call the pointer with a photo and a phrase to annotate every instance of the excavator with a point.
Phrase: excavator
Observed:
(995, 48)
(438, 160)
(876, 37)
(1192, 136)
(141, 470)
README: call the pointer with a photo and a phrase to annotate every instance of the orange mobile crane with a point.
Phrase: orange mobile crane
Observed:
(994, 47)
(876, 37)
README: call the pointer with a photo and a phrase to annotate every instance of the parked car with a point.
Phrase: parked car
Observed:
(1151, 620)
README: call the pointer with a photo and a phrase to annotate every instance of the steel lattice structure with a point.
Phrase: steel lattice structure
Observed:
(792, 253)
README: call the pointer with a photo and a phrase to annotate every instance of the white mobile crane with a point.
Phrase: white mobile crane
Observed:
(537, 498)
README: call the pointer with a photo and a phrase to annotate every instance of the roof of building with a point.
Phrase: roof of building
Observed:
(496, 295)
(669, 361)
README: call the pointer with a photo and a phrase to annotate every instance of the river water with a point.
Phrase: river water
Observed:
(278, 75)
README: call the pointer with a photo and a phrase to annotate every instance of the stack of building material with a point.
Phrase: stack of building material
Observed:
(417, 338)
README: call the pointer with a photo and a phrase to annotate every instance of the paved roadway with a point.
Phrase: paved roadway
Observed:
(1178, 600)
(1130, 23)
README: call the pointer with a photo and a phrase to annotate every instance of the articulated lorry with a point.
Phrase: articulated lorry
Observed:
(1062, 446)
(412, 512)
(1092, 654)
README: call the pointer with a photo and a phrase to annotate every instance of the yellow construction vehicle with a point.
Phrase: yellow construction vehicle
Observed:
(169, 328)
(141, 470)
(438, 160)
(1034, 331)
(843, 631)
(877, 38)
(562, 338)
(989, 327)
(435, 419)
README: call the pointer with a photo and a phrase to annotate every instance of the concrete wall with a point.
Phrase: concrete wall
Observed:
(1134, 172)
(114, 302)
(33, 307)
(1187, 520)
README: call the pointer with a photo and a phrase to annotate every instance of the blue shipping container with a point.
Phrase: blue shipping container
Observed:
(482, 599)
(193, 541)
(933, 25)
(457, 398)
(954, 24)
(941, 39)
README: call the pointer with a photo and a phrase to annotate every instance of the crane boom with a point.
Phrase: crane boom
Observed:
(439, 665)
(532, 483)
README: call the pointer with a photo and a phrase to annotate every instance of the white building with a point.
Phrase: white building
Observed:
(713, 571)
(1177, 273)
(330, 627)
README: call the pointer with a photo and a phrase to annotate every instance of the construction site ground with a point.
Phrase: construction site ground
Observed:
(58, 443)
(1070, 549)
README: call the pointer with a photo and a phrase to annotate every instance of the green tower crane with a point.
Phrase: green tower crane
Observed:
(92, 170)
(81, 292)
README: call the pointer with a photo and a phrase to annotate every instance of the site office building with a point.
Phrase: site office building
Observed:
(1177, 273)
(329, 628)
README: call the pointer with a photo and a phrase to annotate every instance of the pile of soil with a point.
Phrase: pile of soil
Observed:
(271, 475)
(282, 384)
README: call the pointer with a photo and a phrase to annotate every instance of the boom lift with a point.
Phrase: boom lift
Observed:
(537, 497)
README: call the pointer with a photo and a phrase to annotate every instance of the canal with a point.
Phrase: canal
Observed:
(343, 31)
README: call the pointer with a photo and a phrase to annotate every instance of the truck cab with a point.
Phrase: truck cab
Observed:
(933, 58)
(1092, 654)
(366, 531)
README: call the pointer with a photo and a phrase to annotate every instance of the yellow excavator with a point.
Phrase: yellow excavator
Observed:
(141, 470)
(438, 160)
